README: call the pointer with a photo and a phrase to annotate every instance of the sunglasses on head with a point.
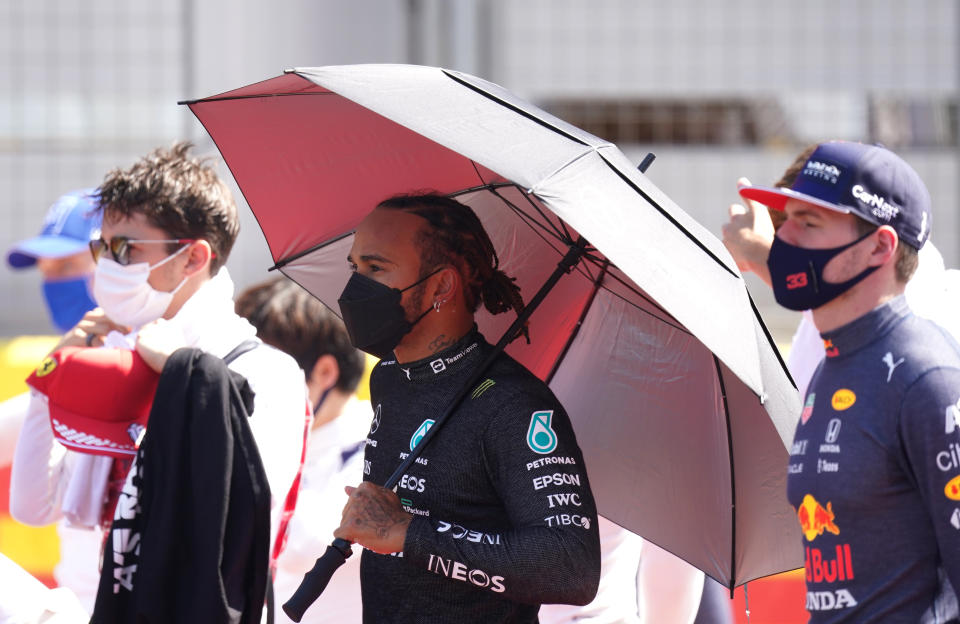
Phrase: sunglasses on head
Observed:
(119, 246)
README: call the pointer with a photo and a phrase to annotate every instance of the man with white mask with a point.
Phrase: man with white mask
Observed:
(168, 227)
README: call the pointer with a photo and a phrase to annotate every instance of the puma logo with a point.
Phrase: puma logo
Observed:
(888, 360)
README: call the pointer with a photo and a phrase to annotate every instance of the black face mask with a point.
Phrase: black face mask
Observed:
(797, 275)
(375, 320)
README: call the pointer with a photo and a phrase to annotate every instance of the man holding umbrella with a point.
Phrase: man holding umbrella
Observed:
(496, 516)
(874, 472)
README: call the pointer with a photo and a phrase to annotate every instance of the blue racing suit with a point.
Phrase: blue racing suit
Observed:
(874, 472)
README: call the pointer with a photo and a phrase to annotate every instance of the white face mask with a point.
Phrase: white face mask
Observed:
(124, 294)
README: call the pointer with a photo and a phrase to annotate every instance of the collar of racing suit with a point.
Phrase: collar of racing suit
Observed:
(461, 355)
(869, 328)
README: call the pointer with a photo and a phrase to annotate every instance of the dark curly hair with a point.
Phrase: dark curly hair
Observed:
(455, 236)
(177, 193)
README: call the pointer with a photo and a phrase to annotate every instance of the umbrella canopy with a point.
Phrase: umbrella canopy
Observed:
(681, 404)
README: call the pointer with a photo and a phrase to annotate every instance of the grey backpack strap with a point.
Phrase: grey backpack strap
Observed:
(240, 349)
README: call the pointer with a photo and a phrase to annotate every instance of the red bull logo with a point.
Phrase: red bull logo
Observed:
(815, 518)
(831, 350)
(820, 569)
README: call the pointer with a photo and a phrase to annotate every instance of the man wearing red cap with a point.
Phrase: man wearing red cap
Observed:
(873, 472)
(168, 227)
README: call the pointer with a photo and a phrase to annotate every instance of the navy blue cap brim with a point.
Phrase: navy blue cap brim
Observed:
(776, 198)
(25, 253)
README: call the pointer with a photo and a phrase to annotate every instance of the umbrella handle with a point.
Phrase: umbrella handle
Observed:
(315, 581)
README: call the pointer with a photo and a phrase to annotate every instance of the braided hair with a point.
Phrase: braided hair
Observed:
(457, 237)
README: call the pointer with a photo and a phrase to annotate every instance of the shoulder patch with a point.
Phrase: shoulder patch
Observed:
(540, 435)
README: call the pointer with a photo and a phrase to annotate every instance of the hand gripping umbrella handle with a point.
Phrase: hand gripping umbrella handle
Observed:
(315, 581)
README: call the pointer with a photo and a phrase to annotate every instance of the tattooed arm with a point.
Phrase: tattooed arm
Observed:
(374, 519)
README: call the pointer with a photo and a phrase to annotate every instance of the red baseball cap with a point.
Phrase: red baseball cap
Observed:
(99, 399)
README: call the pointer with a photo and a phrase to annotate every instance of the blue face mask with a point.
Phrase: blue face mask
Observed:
(797, 275)
(67, 301)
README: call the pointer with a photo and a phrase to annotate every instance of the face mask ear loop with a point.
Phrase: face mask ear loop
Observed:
(419, 318)
(421, 280)
(170, 257)
(813, 273)
(427, 311)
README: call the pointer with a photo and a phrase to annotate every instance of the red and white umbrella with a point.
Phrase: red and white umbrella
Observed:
(681, 404)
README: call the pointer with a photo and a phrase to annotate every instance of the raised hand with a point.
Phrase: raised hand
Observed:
(89, 332)
(748, 235)
(156, 341)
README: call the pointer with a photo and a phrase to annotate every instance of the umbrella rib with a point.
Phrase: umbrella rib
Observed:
(228, 98)
(597, 284)
(669, 217)
(637, 291)
(733, 480)
(674, 323)
(773, 345)
(486, 186)
(492, 188)
(476, 170)
(582, 266)
(530, 221)
(514, 108)
(667, 322)
(524, 217)
(560, 236)
(285, 261)
(566, 232)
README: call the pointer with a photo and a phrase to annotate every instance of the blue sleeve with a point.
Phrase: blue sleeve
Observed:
(930, 431)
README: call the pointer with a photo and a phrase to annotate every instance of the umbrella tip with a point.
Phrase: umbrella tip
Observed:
(647, 161)
(290, 70)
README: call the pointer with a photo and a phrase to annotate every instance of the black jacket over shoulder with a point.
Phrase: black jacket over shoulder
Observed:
(191, 536)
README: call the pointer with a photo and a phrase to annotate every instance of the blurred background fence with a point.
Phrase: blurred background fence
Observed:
(716, 89)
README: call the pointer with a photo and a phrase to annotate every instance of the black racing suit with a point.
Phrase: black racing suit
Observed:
(504, 519)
